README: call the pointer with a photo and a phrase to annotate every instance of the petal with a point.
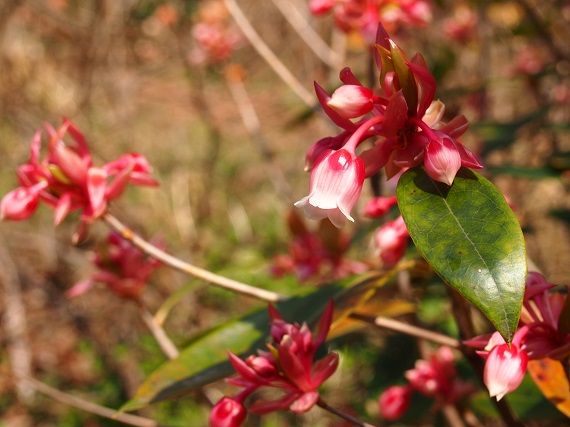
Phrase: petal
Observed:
(305, 402)
(261, 408)
(96, 188)
(324, 98)
(442, 161)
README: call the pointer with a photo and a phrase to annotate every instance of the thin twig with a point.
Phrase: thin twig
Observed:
(166, 345)
(14, 322)
(214, 279)
(90, 407)
(267, 54)
(250, 119)
(308, 34)
(405, 328)
(343, 415)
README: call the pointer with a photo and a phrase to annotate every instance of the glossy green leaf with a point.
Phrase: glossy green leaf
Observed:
(205, 359)
(471, 238)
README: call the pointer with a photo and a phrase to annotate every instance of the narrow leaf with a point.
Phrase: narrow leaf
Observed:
(471, 238)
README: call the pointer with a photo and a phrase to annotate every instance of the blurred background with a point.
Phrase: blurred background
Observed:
(227, 140)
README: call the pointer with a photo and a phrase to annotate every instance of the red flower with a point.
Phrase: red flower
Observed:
(289, 366)
(122, 267)
(228, 412)
(394, 402)
(66, 179)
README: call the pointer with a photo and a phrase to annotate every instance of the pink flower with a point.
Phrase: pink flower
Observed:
(505, 367)
(336, 183)
(321, 7)
(228, 412)
(435, 377)
(289, 366)
(66, 180)
(122, 267)
(21, 203)
(394, 402)
(392, 240)
(379, 206)
(352, 101)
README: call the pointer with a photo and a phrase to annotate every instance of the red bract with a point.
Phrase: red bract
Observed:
(403, 121)
(122, 267)
(545, 315)
(66, 180)
(288, 366)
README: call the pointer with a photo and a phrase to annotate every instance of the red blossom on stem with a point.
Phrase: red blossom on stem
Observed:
(122, 267)
(543, 333)
(288, 366)
(404, 122)
(66, 180)
(435, 377)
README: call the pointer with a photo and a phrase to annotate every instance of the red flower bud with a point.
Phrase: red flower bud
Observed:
(228, 412)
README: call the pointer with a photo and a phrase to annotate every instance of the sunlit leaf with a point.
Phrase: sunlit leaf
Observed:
(471, 238)
(549, 376)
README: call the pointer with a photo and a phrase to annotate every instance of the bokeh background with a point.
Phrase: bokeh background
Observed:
(130, 75)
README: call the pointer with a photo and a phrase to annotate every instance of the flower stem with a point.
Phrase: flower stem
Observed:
(405, 328)
(343, 415)
(355, 138)
(167, 259)
(90, 407)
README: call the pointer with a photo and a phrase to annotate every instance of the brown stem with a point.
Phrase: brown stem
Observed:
(159, 334)
(343, 415)
(208, 276)
(90, 407)
(267, 54)
(405, 328)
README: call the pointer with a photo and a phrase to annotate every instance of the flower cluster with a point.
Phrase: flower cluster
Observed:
(122, 267)
(66, 179)
(404, 123)
(435, 378)
(288, 366)
(319, 254)
(364, 15)
(543, 333)
(215, 38)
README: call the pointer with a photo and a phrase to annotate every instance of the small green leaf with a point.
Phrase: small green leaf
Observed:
(471, 238)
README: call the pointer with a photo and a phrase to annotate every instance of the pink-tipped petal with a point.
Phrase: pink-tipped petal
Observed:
(96, 187)
(442, 161)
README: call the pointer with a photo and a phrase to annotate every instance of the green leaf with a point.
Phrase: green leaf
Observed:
(205, 360)
(471, 238)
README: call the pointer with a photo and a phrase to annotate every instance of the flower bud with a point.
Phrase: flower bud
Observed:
(442, 160)
(21, 203)
(352, 101)
(394, 402)
(228, 412)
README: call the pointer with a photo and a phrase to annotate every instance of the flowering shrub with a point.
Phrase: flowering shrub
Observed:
(426, 201)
